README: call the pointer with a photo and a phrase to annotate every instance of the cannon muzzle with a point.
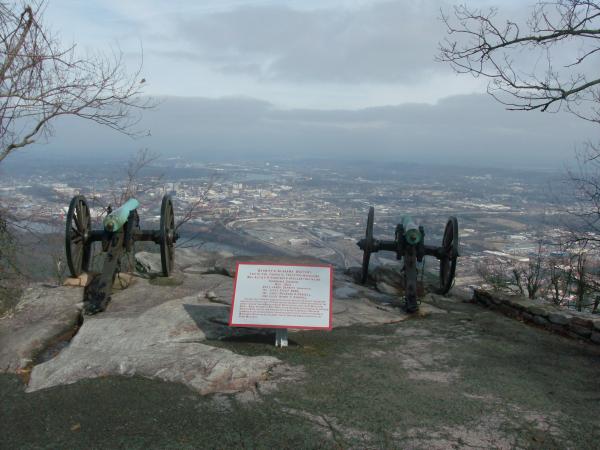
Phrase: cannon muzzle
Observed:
(116, 219)
(362, 244)
(411, 231)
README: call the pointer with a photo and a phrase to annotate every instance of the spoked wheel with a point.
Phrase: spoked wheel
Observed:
(367, 245)
(449, 256)
(167, 235)
(77, 234)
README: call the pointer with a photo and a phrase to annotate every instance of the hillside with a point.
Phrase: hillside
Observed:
(456, 374)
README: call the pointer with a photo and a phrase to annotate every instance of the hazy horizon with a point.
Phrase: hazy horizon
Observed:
(466, 130)
(332, 79)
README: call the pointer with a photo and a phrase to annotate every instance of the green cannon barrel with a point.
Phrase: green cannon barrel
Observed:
(116, 219)
(411, 231)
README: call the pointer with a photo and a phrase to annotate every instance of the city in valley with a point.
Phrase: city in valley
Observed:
(313, 207)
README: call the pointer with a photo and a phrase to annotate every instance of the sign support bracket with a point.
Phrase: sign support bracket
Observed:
(281, 337)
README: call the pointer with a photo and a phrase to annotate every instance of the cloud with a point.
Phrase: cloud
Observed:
(462, 130)
(382, 42)
(294, 53)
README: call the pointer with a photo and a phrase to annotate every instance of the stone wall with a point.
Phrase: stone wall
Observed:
(575, 324)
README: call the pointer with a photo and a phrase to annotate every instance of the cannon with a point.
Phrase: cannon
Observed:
(409, 244)
(121, 229)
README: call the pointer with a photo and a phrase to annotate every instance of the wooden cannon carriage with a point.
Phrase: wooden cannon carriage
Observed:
(409, 245)
(121, 229)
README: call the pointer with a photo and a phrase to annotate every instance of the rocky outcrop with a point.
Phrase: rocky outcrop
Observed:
(166, 342)
(188, 261)
(162, 328)
(42, 315)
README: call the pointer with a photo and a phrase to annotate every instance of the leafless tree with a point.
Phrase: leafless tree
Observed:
(10, 275)
(510, 54)
(198, 208)
(549, 62)
(570, 274)
(581, 285)
(582, 197)
(195, 208)
(511, 277)
(134, 183)
(11, 272)
(517, 279)
(41, 80)
(560, 278)
(533, 272)
(497, 273)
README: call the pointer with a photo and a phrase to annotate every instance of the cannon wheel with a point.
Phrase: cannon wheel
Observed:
(368, 245)
(77, 232)
(449, 255)
(167, 234)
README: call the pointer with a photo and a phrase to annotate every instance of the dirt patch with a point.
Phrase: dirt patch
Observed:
(412, 332)
(493, 430)
(424, 359)
(480, 436)
(332, 429)
(280, 375)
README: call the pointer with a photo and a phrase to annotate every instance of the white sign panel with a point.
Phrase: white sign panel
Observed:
(282, 296)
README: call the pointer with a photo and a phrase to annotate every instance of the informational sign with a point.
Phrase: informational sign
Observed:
(282, 296)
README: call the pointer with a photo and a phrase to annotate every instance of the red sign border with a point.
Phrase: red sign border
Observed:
(296, 327)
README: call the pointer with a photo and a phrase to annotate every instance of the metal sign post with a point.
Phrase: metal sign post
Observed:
(281, 337)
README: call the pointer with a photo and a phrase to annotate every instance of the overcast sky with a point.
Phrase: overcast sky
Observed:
(317, 78)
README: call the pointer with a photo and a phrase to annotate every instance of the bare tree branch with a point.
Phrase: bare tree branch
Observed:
(479, 44)
(550, 62)
(40, 81)
(134, 184)
(197, 207)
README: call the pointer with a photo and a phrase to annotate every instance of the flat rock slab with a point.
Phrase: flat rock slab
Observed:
(162, 328)
(143, 333)
(42, 315)
(355, 304)
(186, 260)
(146, 294)
(167, 342)
(364, 311)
